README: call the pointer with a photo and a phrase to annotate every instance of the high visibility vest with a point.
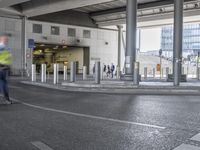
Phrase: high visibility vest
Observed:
(5, 57)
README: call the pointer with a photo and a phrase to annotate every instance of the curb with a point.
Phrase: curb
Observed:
(137, 90)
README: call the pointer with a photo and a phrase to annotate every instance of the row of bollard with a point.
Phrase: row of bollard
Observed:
(72, 73)
(154, 72)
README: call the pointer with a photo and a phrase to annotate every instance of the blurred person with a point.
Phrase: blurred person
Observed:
(5, 62)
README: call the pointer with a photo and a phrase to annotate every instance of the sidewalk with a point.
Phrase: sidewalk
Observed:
(122, 87)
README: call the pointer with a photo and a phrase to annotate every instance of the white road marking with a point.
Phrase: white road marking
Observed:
(187, 147)
(41, 145)
(196, 138)
(89, 116)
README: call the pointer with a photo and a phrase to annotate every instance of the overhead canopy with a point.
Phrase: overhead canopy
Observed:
(100, 12)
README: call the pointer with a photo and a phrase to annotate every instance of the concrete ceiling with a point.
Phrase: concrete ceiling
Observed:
(98, 12)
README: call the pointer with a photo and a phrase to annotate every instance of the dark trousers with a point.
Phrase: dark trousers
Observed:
(4, 83)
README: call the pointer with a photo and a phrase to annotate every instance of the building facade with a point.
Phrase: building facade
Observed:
(191, 40)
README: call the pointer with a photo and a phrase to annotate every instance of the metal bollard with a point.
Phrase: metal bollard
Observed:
(65, 73)
(43, 73)
(136, 76)
(118, 72)
(198, 74)
(145, 73)
(162, 72)
(58, 73)
(55, 74)
(84, 72)
(183, 70)
(97, 72)
(33, 73)
(167, 72)
(73, 72)
(154, 73)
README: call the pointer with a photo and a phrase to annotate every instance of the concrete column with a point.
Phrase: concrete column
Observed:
(136, 73)
(131, 30)
(97, 72)
(43, 73)
(84, 72)
(73, 72)
(65, 73)
(23, 45)
(178, 40)
(33, 73)
(119, 50)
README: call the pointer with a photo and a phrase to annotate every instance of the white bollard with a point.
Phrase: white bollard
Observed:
(43, 73)
(55, 74)
(154, 73)
(118, 72)
(57, 65)
(84, 72)
(33, 73)
(65, 73)
(145, 73)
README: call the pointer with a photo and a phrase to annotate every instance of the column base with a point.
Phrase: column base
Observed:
(170, 78)
(126, 77)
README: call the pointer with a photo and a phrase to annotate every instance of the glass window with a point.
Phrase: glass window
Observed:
(55, 30)
(86, 34)
(37, 28)
(71, 32)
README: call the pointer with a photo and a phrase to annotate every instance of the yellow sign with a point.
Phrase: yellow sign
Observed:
(158, 67)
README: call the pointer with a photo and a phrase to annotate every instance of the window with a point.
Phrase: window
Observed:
(86, 34)
(71, 32)
(55, 30)
(37, 28)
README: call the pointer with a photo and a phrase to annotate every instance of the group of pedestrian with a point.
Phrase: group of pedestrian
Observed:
(109, 70)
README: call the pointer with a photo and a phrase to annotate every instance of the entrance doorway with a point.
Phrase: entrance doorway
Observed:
(50, 54)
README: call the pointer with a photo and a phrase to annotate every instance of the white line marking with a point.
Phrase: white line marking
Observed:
(90, 116)
(187, 147)
(41, 145)
(196, 138)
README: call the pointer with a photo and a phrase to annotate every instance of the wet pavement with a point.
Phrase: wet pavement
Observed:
(43, 118)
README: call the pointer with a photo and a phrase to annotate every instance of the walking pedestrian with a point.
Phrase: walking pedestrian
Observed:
(108, 72)
(112, 70)
(5, 61)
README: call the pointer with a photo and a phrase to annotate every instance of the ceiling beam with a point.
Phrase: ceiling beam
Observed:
(7, 3)
(36, 7)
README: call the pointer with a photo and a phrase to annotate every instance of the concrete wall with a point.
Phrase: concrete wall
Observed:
(12, 27)
(102, 44)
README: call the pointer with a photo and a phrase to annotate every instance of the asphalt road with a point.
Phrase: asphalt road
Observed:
(47, 119)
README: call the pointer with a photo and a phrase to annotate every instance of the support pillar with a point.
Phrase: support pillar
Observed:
(119, 51)
(23, 46)
(178, 40)
(131, 30)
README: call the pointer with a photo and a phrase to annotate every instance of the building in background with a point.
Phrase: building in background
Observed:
(191, 40)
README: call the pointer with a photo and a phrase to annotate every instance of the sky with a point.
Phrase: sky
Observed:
(150, 39)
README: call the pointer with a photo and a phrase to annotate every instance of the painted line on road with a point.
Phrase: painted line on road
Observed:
(187, 147)
(196, 137)
(41, 145)
(89, 116)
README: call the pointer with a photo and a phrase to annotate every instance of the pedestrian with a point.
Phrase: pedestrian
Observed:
(5, 61)
(93, 70)
(108, 72)
(112, 70)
